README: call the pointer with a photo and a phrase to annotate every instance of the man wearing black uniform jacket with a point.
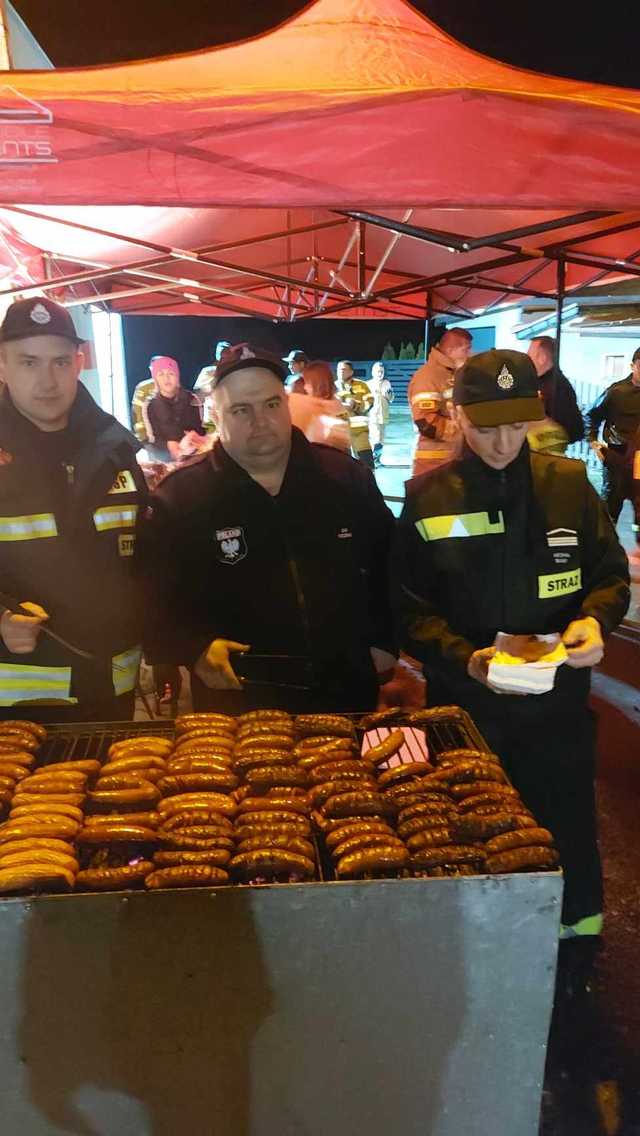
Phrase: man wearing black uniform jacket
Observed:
(563, 423)
(272, 548)
(618, 408)
(508, 540)
(70, 488)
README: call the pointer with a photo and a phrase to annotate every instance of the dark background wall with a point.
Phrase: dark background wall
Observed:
(191, 339)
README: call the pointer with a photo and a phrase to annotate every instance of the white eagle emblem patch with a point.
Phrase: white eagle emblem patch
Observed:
(232, 546)
(505, 379)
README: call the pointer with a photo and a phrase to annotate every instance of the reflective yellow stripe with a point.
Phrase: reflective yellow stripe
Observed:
(21, 683)
(559, 584)
(124, 483)
(115, 517)
(32, 527)
(124, 677)
(459, 525)
(636, 466)
(590, 925)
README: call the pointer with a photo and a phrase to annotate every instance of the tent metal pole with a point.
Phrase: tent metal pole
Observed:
(428, 325)
(362, 258)
(561, 277)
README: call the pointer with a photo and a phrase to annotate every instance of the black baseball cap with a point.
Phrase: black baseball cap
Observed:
(242, 356)
(295, 356)
(497, 388)
(37, 316)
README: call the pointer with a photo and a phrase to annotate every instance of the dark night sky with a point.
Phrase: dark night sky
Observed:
(564, 37)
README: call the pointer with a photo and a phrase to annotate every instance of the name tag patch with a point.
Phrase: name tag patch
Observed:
(559, 584)
(124, 483)
(126, 544)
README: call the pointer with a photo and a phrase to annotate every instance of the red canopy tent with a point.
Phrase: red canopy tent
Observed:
(355, 160)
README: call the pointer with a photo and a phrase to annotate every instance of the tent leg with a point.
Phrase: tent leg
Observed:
(428, 325)
(560, 301)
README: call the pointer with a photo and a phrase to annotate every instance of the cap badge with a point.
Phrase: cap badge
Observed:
(505, 379)
(39, 314)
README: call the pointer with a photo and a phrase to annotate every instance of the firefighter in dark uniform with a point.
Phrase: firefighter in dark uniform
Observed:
(504, 539)
(273, 550)
(70, 489)
(618, 412)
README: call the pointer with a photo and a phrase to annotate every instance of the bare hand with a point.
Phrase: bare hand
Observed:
(214, 668)
(20, 632)
(478, 665)
(583, 640)
(405, 688)
(599, 450)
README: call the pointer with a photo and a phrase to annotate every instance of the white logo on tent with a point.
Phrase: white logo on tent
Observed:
(26, 111)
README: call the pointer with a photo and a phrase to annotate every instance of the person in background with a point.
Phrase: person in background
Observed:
(354, 394)
(618, 412)
(563, 423)
(429, 397)
(383, 396)
(71, 491)
(141, 395)
(272, 548)
(173, 416)
(202, 385)
(296, 361)
(503, 539)
(317, 412)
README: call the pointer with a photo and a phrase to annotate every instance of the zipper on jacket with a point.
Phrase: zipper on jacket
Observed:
(71, 473)
(502, 497)
(294, 572)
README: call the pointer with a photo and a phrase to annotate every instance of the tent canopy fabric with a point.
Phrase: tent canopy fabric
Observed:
(354, 160)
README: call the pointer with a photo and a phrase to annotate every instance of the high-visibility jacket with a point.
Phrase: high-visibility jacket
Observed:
(525, 550)
(69, 504)
(429, 395)
(141, 396)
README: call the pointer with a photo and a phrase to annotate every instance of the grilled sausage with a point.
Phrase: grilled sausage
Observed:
(355, 825)
(217, 802)
(50, 798)
(287, 840)
(134, 761)
(321, 793)
(216, 857)
(430, 838)
(468, 829)
(402, 773)
(272, 820)
(423, 824)
(17, 756)
(189, 817)
(135, 799)
(321, 741)
(365, 840)
(258, 729)
(432, 714)
(489, 797)
(433, 808)
(376, 858)
(36, 843)
(146, 820)
(186, 875)
(196, 843)
(274, 801)
(384, 750)
(83, 765)
(253, 759)
(190, 782)
(531, 859)
(328, 755)
(196, 832)
(124, 780)
(448, 854)
(264, 716)
(356, 803)
(117, 832)
(187, 722)
(272, 776)
(23, 726)
(264, 741)
(49, 809)
(19, 739)
(13, 769)
(148, 744)
(334, 770)
(519, 838)
(272, 862)
(39, 856)
(451, 756)
(113, 879)
(464, 771)
(52, 825)
(36, 877)
(388, 717)
(333, 724)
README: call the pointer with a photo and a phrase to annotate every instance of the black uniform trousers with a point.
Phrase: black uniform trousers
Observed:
(553, 767)
(617, 487)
